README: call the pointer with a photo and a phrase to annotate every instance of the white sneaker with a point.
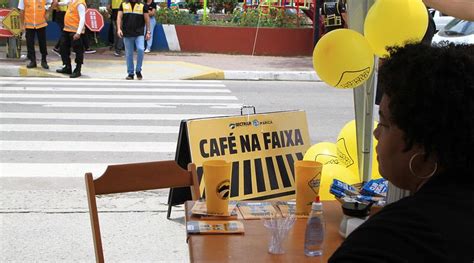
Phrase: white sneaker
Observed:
(147, 50)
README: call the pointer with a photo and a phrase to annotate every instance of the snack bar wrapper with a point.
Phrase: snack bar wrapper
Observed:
(377, 187)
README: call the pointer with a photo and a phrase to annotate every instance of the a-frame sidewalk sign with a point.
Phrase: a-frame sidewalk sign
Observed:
(261, 148)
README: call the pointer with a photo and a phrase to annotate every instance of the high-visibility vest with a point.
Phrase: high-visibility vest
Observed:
(35, 11)
(116, 4)
(71, 19)
(137, 9)
(62, 8)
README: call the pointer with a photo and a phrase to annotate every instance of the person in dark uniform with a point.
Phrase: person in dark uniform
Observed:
(425, 138)
(72, 36)
(33, 15)
(58, 16)
(333, 13)
(133, 24)
(118, 42)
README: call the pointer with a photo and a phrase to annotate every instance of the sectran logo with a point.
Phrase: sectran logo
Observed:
(314, 183)
(254, 123)
(223, 190)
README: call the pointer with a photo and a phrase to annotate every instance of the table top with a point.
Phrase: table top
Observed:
(253, 244)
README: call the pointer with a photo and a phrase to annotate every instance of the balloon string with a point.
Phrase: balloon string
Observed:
(256, 32)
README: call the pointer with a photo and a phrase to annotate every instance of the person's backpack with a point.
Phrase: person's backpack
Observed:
(332, 14)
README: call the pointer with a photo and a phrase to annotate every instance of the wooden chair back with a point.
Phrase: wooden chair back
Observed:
(135, 177)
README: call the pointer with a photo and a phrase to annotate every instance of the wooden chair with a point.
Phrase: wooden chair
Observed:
(135, 177)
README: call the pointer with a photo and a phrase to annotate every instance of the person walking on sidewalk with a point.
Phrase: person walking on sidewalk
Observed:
(72, 36)
(132, 21)
(34, 14)
(58, 16)
(118, 43)
(151, 13)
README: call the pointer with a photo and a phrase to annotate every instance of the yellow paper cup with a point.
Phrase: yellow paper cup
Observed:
(308, 179)
(217, 186)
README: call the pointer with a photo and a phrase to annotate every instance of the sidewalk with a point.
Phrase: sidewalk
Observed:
(47, 220)
(174, 66)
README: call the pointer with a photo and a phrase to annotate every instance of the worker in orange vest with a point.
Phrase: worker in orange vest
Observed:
(73, 36)
(34, 15)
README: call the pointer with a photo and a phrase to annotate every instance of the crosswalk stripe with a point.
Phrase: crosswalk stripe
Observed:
(115, 84)
(101, 116)
(87, 128)
(67, 102)
(151, 90)
(89, 80)
(88, 146)
(114, 97)
(51, 169)
(85, 104)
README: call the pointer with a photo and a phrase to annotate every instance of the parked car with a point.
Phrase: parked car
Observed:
(456, 31)
(440, 19)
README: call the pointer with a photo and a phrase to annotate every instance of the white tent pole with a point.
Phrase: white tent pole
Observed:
(364, 96)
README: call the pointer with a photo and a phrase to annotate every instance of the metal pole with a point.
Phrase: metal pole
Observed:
(364, 96)
(316, 33)
(14, 43)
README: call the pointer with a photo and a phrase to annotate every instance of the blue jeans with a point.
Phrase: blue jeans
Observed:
(130, 43)
(149, 42)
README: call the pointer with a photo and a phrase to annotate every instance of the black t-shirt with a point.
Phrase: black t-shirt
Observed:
(133, 24)
(151, 6)
(434, 225)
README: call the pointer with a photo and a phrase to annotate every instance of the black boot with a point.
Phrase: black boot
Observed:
(32, 64)
(65, 70)
(77, 72)
(44, 64)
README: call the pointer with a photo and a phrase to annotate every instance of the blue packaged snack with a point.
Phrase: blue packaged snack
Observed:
(337, 193)
(370, 199)
(343, 187)
(377, 187)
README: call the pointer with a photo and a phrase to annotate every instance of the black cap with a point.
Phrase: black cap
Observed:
(356, 209)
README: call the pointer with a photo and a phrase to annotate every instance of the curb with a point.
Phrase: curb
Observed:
(271, 75)
(209, 74)
(23, 71)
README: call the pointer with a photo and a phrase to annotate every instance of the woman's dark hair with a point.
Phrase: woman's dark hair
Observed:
(431, 91)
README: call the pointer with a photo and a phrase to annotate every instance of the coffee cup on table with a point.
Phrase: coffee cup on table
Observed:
(307, 181)
(217, 186)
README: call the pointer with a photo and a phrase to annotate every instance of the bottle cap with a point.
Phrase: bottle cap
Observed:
(317, 205)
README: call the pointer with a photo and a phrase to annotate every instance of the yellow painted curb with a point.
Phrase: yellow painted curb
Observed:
(210, 75)
(33, 72)
(207, 73)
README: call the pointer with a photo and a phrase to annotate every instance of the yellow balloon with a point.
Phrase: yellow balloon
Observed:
(334, 171)
(323, 152)
(394, 22)
(343, 59)
(347, 150)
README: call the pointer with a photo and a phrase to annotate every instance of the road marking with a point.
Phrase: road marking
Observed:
(101, 116)
(55, 89)
(115, 97)
(87, 128)
(23, 85)
(11, 80)
(88, 146)
(84, 104)
(51, 169)
(115, 84)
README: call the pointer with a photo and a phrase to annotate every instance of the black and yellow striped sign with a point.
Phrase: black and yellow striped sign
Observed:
(261, 147)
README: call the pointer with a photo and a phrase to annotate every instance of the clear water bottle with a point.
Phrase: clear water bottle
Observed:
(314, 235)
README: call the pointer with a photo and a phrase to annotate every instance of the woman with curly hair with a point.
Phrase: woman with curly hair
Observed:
(425, 144)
